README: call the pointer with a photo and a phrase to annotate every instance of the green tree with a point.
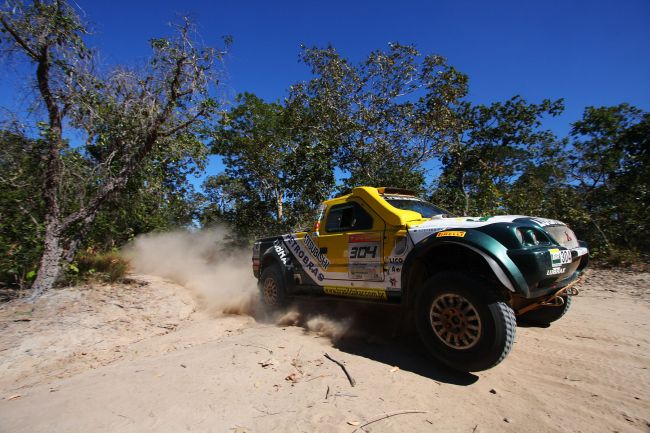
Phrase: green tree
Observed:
(386, 115)
(276, 171)
(610, 165)
(159, 199)
(21, 208)
(128, 117)
(490, 146)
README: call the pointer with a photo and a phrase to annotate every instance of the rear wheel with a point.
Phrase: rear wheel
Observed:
(463, 324)
(548, 314)
(272, 289)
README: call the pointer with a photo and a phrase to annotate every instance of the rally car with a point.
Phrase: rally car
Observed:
(467, 280)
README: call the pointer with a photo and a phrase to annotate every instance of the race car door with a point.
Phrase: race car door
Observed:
(352, 241)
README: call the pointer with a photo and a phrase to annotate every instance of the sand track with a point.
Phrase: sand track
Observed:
(140, 357)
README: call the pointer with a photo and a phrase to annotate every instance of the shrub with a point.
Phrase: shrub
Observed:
(615, 257)
(108, 266)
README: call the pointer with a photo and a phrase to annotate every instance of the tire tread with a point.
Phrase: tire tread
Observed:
(510, 329)
(501, 313)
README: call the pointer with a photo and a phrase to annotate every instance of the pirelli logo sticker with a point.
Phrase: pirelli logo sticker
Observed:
(355, 292)
(456, 234)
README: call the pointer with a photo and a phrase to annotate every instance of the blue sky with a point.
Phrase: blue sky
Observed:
(588, 52)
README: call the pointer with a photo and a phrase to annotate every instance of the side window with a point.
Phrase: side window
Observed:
(348, 216)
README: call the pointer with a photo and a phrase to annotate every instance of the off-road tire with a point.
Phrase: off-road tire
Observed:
(480, 332)
(546, 315)
(272, 289)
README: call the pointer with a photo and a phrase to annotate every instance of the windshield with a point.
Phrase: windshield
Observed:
(427, 210)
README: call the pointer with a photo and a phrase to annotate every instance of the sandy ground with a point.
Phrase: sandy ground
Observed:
(142, 357)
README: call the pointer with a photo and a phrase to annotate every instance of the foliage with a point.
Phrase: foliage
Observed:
(380, 121)
(108, 266)
(610, 166)
(490, 148)
(386, 115)
(156, 201)
(132, 120)
(21, 210)
(276, 171)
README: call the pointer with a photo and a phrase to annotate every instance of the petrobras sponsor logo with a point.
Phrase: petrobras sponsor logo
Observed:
(315, 252)
(302, 255)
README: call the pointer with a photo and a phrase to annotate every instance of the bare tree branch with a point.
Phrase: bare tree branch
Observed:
(19, 40)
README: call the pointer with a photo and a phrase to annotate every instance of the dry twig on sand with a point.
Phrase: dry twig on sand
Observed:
(388, 415)
(345, 370)
(256, 346)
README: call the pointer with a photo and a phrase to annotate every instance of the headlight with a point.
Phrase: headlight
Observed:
(530, 236)
(520, 236)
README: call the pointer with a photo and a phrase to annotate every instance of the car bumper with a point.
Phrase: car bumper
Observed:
(547, 270)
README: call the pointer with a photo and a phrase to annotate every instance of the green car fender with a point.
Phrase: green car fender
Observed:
(492, 251)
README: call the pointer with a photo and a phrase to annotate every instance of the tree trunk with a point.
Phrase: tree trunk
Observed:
(278, 202)
(78, 237)
(465, 194)
(49, 266)
(601, 232)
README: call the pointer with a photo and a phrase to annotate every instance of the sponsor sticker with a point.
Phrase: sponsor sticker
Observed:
(546, 222)
(429, 229)
(560, 257)
(581, 251)
(478, 220)
(364, 237)
(451, 233)
(364, 271)
(355, 292)
(280, 251)
(555, 271)
(315, 252)
(303, 257)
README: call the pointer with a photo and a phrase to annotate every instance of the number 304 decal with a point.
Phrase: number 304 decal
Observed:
(363, 252)
(560, 257)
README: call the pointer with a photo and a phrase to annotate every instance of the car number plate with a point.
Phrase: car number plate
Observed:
(560, 257)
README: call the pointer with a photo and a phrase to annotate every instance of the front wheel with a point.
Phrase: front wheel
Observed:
(463, 324)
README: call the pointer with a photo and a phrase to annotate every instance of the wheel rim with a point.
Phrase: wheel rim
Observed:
(270, 291)
(455, 321)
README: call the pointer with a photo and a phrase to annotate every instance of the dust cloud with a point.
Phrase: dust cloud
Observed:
(317, 323)
(219, 275)
(221, 278)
